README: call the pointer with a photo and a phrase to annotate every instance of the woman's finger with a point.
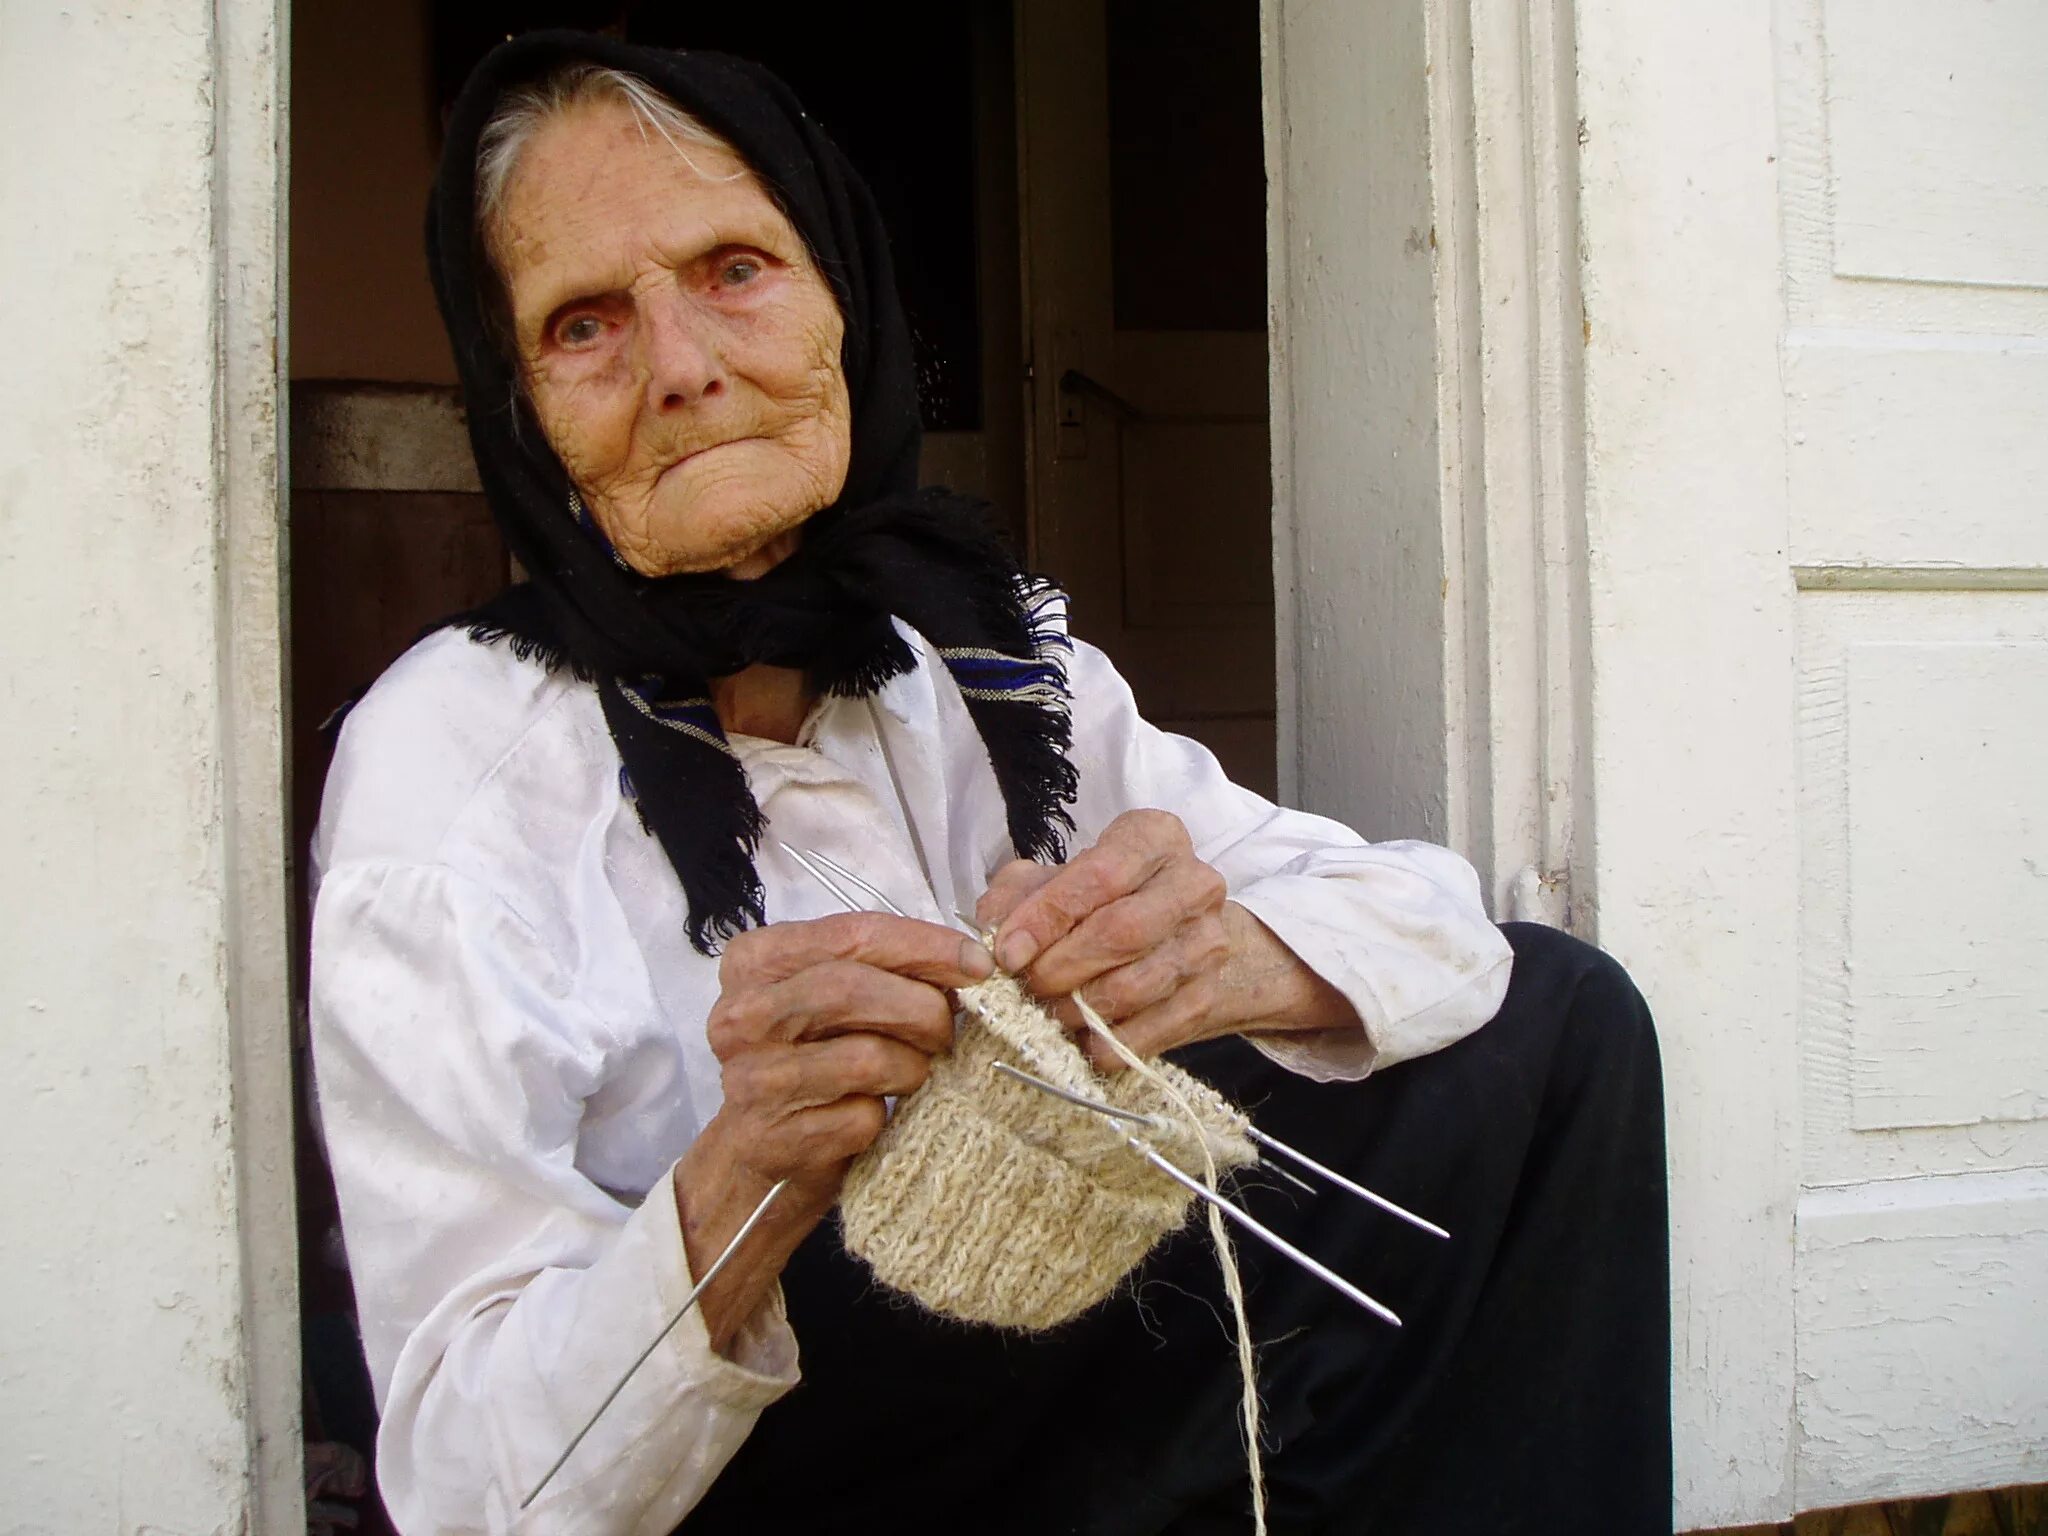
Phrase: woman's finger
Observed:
(1128, 990)
(1182, 1018)
(1092, 880)
(1128, 928)
(843, 996)
(874, 1066)
(835, 998)
(1006, 888)
(927, 952)
(812, 1141)
(774, 1082)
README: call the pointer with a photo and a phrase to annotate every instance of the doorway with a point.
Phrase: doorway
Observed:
(1143, 220)
(1076, 196)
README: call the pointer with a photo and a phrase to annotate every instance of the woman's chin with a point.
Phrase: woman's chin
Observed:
(745, 544)
(760, 562)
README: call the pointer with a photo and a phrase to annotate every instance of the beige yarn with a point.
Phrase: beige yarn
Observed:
(989, 1201)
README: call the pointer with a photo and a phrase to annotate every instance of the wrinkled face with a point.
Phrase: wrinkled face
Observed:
(679, 347)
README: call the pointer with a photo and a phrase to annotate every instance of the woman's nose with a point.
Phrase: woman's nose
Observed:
(683, 364)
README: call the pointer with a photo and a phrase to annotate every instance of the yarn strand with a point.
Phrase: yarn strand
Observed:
(1226, 1255)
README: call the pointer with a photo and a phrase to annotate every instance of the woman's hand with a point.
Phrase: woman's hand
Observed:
(1141, 928)
(815, 1024)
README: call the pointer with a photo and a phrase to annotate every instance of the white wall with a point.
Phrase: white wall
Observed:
(146, 1381)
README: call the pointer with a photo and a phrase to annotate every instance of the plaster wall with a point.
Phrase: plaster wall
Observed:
(139, 646)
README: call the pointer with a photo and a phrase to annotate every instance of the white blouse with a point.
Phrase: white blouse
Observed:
(508, 1030)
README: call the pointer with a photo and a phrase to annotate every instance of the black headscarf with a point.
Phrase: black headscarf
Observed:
(885, 547)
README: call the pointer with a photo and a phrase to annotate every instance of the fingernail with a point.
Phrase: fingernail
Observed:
(1017, 951)
(976, 961)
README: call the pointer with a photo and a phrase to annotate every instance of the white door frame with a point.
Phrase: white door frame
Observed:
(252, 199)
(1427, 432)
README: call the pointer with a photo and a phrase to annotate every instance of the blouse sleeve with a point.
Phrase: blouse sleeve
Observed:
(502, 1292)
(1399, 928)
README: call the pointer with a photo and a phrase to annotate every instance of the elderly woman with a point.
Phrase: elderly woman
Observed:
(576, 1011)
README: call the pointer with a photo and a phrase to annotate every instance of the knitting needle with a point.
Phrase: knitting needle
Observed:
(1084, 1102)
(853, 880)
(821, 877)
(1198, 1188)
(1323, 1272)
(689, 1301)
(1299, 1183)
(1341, 1182)
(1079, 1100)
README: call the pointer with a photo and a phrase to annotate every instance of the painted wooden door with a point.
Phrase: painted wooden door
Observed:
(1915, 196)
(1816, 320)
(1144, 239)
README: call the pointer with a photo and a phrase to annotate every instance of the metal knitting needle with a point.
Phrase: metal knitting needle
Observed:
(1298, 1182)
(689, 1301)
(821, 877)
(1279, 1244)
(1202, 1191)
(1148, 1121)
(1341, 1182)
(855, 881)
(1079, 1100)
(817, 863)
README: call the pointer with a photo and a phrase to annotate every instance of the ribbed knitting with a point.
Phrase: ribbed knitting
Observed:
(990, 1201)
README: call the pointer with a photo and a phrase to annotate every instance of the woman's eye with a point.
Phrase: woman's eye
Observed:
(579, 330)
(740, 271)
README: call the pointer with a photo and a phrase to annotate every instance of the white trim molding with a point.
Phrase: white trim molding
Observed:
(1427, 432)
(251, 208)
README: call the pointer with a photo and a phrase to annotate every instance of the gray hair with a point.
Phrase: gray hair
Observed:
(523, 112)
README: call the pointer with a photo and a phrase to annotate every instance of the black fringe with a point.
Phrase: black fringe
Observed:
(706, 821)
(1027, 746)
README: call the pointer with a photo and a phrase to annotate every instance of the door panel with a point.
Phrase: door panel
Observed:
(1916, 373)
(1921, 738)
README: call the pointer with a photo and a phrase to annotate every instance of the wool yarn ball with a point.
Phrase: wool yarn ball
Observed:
(990, 1201)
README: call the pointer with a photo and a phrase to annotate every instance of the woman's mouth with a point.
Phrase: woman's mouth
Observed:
(698, 453)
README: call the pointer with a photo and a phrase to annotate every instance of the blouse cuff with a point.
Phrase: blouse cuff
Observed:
(762, 1363)
(1456, 989)
(1342, 1055)
(1321, 1055)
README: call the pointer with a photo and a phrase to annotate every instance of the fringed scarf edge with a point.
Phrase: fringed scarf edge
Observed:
(1020, 705)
